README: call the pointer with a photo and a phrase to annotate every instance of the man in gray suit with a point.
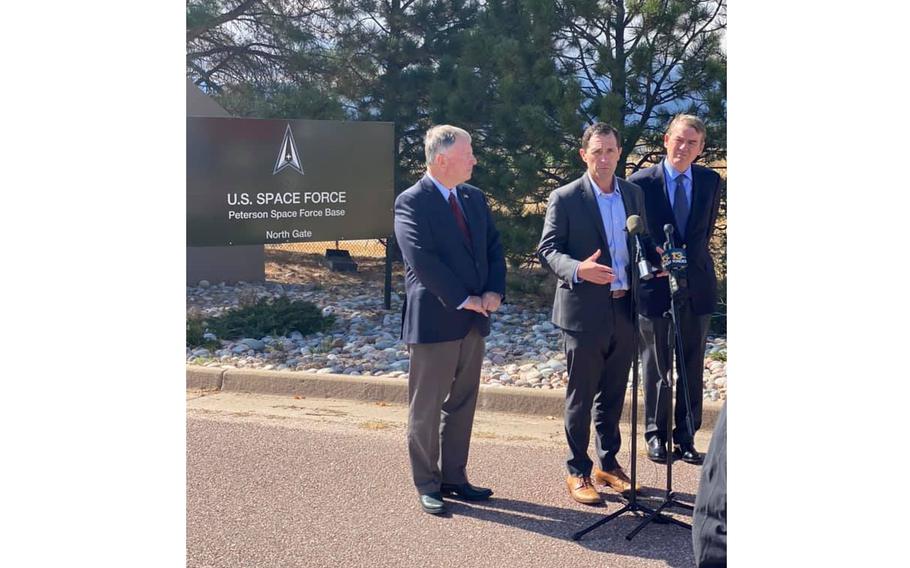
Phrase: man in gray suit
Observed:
(585, 244)
(455, 276)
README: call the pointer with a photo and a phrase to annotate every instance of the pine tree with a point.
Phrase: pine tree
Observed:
(388, 53)
(641, 62)
(263, 58)
(522, 110)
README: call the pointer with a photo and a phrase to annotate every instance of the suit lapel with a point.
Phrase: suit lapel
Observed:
(628, 201)
(700, 200)
(587, 195)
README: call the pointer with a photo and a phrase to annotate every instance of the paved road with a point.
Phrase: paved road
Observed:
(281, 482)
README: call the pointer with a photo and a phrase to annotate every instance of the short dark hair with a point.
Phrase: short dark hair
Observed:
(599, 129)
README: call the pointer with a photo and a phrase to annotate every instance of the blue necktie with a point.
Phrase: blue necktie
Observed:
(680, 206)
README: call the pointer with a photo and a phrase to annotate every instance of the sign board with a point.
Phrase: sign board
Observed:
(252, 181)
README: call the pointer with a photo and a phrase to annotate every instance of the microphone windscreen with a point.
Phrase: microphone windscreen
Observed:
(668, 229)
(634, 225)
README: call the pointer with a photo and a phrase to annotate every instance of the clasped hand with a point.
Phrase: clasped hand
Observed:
(485, 304)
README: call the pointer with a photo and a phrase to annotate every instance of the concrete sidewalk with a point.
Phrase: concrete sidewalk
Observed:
(514, 400)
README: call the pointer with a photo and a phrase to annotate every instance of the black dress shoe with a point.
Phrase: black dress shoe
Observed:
(688, 453)
(432, 503)
(466, 491)
(657, 450)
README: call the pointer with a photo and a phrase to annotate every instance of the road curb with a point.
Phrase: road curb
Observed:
(204, 378)
(514, 400)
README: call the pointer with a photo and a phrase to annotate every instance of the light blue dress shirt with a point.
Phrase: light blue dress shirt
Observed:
(613, 217)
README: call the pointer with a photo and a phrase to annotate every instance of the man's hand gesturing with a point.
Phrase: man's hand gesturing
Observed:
(595, 273)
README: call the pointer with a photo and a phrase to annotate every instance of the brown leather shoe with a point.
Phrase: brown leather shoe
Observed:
(616, 479)
(582, 490)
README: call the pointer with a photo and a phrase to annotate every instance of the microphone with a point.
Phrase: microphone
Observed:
(636, 227)
(675, 262)
(668, 231)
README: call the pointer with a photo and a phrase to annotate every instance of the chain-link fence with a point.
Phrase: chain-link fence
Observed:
(370, 248)
(370, 254)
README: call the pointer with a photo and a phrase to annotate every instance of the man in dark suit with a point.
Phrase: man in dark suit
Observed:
(584, 243)
(687, 196)
(454, 278)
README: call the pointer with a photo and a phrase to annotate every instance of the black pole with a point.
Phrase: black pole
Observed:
(632, 504)
(683, 377)
(387, 292)
(668, 434)
(390, 244)
(674, 338)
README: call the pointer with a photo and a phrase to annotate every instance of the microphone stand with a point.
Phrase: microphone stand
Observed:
(674, 337)
(632, 504)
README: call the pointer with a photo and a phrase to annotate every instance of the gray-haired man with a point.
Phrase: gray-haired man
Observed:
(454, 278)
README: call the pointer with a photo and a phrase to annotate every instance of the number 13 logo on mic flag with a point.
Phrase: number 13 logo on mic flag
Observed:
(674, 259)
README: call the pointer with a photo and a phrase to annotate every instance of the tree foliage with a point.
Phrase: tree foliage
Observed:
(523, 76)
(506, 88)
(264, 58)
(641, 62)
(388, 53)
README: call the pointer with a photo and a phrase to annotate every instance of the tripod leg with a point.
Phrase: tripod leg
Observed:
(647, 520)
(604, 520)
(690, 346)
(683, 505)
(657, 516)
(678, 522)
(668, 381)
(683, 382)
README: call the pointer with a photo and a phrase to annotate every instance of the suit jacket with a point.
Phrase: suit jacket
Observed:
(573, 230)
(654, 294)
(441, 270)
(709, 518)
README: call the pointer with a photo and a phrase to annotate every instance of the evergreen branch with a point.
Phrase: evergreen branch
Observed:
(194, 33)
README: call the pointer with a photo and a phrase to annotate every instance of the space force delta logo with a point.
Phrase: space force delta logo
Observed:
(288, 156)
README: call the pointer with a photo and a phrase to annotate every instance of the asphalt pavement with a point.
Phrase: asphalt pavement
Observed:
(282, 481)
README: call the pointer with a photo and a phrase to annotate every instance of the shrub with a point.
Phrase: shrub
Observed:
(535, 283)
(195, 331)
(260, 318)
(718, 356)
(719, 317)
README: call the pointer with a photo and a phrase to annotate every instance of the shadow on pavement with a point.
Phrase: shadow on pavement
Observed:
(666, 542)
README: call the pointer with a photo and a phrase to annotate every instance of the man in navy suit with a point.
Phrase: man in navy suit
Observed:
(455, 276)
(586, 245)
(687, 196)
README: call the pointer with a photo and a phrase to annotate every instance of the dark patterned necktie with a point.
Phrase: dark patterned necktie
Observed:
(680, 206)
(459, 218)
